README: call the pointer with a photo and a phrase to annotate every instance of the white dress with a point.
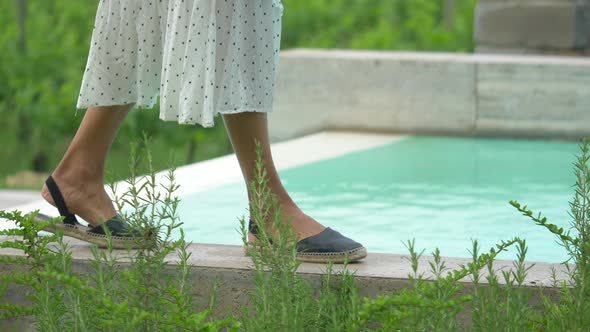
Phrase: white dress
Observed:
(202, 57)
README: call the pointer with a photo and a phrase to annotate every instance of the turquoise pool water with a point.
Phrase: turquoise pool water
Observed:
(441, 191)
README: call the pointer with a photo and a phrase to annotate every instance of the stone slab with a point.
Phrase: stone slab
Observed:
(432, 93)
(583, 24)
(533, 24)
(533, 98)
(530, 51)
(9, 198)
(376, 265)
(372, 90)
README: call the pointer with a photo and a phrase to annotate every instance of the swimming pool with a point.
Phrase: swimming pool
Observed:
(441, 191)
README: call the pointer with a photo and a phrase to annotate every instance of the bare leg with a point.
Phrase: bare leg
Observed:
(243, 128)
(80, 174)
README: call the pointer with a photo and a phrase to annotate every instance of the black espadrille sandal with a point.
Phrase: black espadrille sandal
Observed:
(328, 245)
(122, 235)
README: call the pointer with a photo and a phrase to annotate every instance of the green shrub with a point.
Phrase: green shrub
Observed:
(379, 24)
(573, 311)
(430, 305)
(284, 300)
(139, 291)
(148, 294)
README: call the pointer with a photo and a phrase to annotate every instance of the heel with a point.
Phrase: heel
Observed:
(60, 203)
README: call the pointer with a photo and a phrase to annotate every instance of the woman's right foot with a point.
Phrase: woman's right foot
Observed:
(122, 236)
(87, 200)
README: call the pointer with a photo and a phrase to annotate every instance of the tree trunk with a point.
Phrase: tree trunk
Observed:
(24, 132)
(449, 13)
(39, 162)
(192, 149)
(22, 16)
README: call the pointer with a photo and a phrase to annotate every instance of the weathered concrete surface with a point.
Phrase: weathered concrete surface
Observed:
(483, 49)
(376, 265)
(9, 198)
(431, 93)
(532, 98)
(533, 24)
(233, 272)
(371, 90)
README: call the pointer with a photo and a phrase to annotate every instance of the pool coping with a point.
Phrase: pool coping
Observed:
(375, 265)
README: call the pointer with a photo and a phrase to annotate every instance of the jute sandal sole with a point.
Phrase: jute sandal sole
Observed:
(122, 237)
(335, 257)
(331, 257)
(338, 257)
(83, 233)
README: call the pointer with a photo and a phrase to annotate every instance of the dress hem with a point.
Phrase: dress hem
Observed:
(170, 118)
(209, 124)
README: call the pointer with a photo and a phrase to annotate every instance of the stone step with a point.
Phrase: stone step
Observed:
(533, 24)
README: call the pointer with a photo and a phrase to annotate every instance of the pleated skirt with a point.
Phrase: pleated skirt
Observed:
(201, 57)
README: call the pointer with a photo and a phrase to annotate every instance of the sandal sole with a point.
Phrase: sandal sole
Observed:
(333, 257)
(83, 233)
(349, 256)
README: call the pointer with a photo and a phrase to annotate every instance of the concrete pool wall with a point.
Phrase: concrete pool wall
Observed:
(431, 93)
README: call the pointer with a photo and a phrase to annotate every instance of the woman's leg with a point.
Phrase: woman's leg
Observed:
(80, 173)
(243, 128)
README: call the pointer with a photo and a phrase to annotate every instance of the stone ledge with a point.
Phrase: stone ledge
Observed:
(431, 93)
(372, 91)
(376, 265)
(428, 57)
(10, 198)
(518, 23)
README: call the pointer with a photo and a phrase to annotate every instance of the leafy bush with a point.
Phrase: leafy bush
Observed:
(573, 312)
(139, 291)
(423, 25)
(148, 294)
(284, 300)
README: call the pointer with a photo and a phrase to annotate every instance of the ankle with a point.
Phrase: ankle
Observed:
(288, 214)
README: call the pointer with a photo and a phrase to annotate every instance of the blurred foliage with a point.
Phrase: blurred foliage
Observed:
(423, 25)
(41, 70)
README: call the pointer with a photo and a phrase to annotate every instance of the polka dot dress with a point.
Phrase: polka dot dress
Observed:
(202, 57)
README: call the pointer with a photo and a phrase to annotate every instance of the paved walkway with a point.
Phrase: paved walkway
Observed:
(10, 198)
